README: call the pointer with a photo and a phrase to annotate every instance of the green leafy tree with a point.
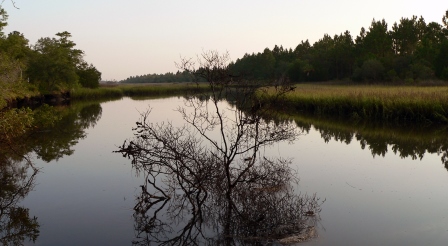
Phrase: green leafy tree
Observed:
(89, 76)
(16, 50)
(342, 55)
(16, 46)
(54, 62)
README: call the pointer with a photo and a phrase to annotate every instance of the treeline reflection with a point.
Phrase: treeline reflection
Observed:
(405, 141)
(51, 135)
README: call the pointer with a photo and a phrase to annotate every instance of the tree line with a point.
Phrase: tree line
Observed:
(412, 50)
(51, 65)
(160, 78)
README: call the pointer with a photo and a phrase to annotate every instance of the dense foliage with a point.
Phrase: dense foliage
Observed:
(52, 65)
(412, 50)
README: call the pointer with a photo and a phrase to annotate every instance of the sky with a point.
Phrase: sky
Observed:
(137, 37)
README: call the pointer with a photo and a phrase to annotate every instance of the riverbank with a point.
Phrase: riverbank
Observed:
(377, 103)
(131, 90)
(31, 98)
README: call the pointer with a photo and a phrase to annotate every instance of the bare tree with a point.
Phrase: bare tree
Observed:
(13, 4)
(211, 170)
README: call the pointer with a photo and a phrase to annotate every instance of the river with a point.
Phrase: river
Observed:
(380, 185)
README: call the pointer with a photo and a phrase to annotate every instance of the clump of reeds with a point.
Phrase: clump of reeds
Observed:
(136, 90)
(379, 103)
(102, 92)
(165, 89)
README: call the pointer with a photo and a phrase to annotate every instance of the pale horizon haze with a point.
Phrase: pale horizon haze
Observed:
(129, 38)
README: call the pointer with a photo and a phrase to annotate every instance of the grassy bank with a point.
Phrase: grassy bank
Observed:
(398, 104)
(136, 90)
(13, 92)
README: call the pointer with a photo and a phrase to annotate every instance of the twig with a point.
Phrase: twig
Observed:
(13, 4)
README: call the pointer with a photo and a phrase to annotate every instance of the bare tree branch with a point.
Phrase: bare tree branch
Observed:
(209, 172)
(13, 4)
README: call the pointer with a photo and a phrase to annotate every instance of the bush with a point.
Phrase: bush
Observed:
(444, 75)
(392, 75)
(372, 70)
(421, 71)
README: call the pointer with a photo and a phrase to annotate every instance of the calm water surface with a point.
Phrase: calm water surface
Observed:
(373, 195)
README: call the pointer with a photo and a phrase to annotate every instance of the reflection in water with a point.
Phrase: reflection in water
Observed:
(17, 173)
(407, 142)
(16, 182)
(208, 183)
(199, 217)
(54, 142)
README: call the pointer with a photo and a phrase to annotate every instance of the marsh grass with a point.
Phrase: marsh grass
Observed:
(102, 92)
(134, 90)
(370, 102)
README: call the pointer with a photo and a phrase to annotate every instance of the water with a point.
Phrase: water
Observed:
(373, 196)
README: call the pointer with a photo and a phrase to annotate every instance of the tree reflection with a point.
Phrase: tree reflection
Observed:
(16, 181)
(49, 132)
(209, 179)
(257, 215)
(407, 142)
(57, 140)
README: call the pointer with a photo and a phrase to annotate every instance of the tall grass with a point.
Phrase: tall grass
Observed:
(136, 90)
(377, 103)
(158, 90)
(102, 92)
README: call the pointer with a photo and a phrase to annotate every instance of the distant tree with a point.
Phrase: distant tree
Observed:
(376, 42)
(441, 61)
(321, 58)
(428, 47)
(302, 50)
(342, 55)
(267, 64)
(445, 19)
(408, 51)
(406, 35)
(3, 20)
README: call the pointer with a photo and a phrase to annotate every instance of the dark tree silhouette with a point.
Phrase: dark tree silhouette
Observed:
(209, 173)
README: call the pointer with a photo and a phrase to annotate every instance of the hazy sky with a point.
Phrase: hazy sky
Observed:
(136, 37)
